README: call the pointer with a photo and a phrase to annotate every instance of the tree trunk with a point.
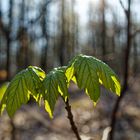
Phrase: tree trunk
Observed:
(8, 58)
(103, 32)
(45, 34)
(62, 39)
(8, 37)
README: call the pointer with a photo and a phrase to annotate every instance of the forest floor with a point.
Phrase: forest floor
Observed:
(33, 123)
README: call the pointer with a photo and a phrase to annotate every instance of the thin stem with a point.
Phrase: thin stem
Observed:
(13, 131)
(72, 123)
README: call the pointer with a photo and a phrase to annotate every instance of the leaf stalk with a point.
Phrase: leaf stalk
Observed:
(71, 120)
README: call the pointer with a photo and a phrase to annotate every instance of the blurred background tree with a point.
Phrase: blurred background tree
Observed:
(48, 33)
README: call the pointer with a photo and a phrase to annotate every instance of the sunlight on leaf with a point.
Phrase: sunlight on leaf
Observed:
(86, 71)
(48, 108)
(3, 89)
(117, 85)
(89, 72)
(55, 83)
(25, 83)
(69, 73)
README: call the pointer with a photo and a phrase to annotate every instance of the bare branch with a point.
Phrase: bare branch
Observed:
(124, 9)
(41, 13)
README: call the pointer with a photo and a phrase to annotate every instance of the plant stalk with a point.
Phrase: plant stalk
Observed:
(13, 131)
(72, 123)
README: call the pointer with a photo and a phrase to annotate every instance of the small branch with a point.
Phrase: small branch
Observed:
(42, 12)
(122, 5)
(72, 123)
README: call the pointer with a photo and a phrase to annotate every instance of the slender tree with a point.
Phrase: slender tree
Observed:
(73, 28)
(8, 37)
(45, 30)
(103, 32)
(92, 34)
(126, 69)
(23, 37)
(77, 49)
(62, 38)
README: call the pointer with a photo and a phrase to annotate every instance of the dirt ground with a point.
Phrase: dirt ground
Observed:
(33, 123)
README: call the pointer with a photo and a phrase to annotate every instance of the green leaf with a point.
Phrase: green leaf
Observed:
(89, 72)
(27, 82)
(3, 89)
(34, 83)
(55, 83)
(2, 96)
